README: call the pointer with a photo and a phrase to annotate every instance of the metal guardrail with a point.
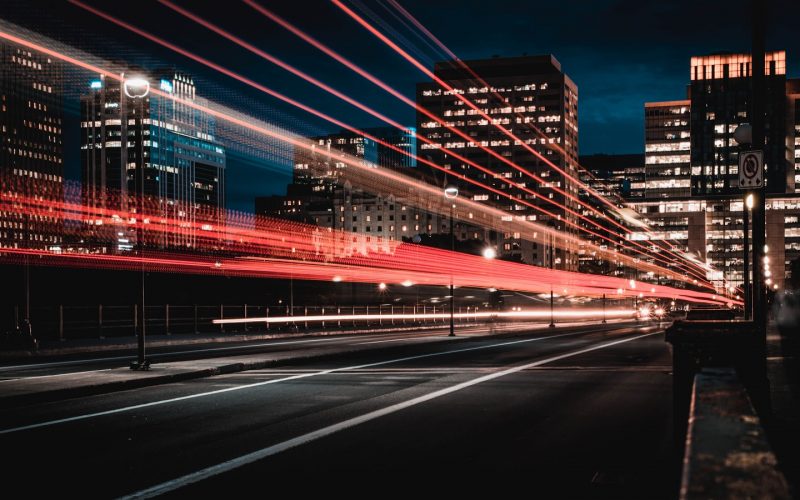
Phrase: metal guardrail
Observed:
(64, 322)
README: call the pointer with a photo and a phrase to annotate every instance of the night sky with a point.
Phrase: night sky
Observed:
(620, 54)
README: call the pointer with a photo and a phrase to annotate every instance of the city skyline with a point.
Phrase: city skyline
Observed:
(609, 102)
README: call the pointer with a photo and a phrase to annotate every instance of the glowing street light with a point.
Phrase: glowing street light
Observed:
(451, 193)
(136, 87)
(407, 283)
(381, 286)
(489, 253)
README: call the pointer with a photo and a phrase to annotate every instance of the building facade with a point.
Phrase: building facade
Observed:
(535, 100)
(690, 193)
(31, 151)
(167, 144)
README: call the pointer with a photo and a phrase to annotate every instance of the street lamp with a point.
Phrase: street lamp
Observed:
(451, 193)
(136, 88)
(489, 253)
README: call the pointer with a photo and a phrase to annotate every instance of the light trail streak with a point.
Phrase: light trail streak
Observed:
(533, 314)
(474, 107)
(306, 77)
(677, 259)
(380, 179)
(236, 267)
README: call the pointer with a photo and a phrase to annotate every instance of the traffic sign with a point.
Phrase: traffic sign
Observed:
(751, 169)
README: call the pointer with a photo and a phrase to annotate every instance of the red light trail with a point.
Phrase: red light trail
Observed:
(447, 263)
(302, 251)
(480, 112)
(360, 71)
(277, 95)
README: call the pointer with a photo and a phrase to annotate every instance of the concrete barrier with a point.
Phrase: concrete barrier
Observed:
(727, 454)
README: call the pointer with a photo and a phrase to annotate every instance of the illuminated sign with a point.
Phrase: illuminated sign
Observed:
(166, 86)
(96, 84)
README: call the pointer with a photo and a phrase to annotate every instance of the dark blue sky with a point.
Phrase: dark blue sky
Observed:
(620, 53)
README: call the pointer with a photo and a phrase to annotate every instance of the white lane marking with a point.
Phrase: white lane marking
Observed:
(331, 338)
(36, 377)
(401, 340)
(274, 381)
(255, 456)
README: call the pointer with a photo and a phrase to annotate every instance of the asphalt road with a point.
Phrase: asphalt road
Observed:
(558, 413)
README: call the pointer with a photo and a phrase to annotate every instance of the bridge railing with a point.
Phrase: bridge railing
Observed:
(114, 320)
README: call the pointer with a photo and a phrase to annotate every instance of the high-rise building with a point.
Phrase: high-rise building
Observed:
(31, 152)
(691, 195)
(319, 173)
(667, 170)
(321, 167)
(183, 165)
(720, 92)
(516, 93)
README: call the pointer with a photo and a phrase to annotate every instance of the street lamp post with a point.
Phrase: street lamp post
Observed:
(550, 249)
(748, 295)
(451, 193)
(136, 89)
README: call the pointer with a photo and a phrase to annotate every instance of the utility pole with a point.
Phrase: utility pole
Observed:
(759, 195)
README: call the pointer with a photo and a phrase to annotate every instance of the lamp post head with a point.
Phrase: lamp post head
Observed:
(451, 191)
(489, 253)
(135, 87)
(749, 201)
(743, 134)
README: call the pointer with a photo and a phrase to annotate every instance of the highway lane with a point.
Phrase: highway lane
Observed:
(574, 384)
(79, 363)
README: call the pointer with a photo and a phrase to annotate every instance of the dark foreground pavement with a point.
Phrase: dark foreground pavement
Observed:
(562, 414)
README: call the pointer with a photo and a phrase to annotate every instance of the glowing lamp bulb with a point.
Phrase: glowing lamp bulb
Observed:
(136, 87)
(382, 286)
(407, 283)
(489, 253)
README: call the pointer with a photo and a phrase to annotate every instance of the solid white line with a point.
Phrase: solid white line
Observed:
(268, 382)
(255, 456)
(36, 377)
(400, 340)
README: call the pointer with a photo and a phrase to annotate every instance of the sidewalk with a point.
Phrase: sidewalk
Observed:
(783, 426)
(63, 386)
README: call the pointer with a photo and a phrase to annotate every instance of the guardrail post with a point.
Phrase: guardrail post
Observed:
(267, 315)
(380, 316)
(305, 313)
(195, 319)
(100, 320)
(391, 311)
(136, 318)
(166, 319)
(245, 317)
(221, 316)
(323, 314)
(339, 313)
(60, 322)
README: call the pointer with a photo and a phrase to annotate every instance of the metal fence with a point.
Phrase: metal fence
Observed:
(72, 322)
